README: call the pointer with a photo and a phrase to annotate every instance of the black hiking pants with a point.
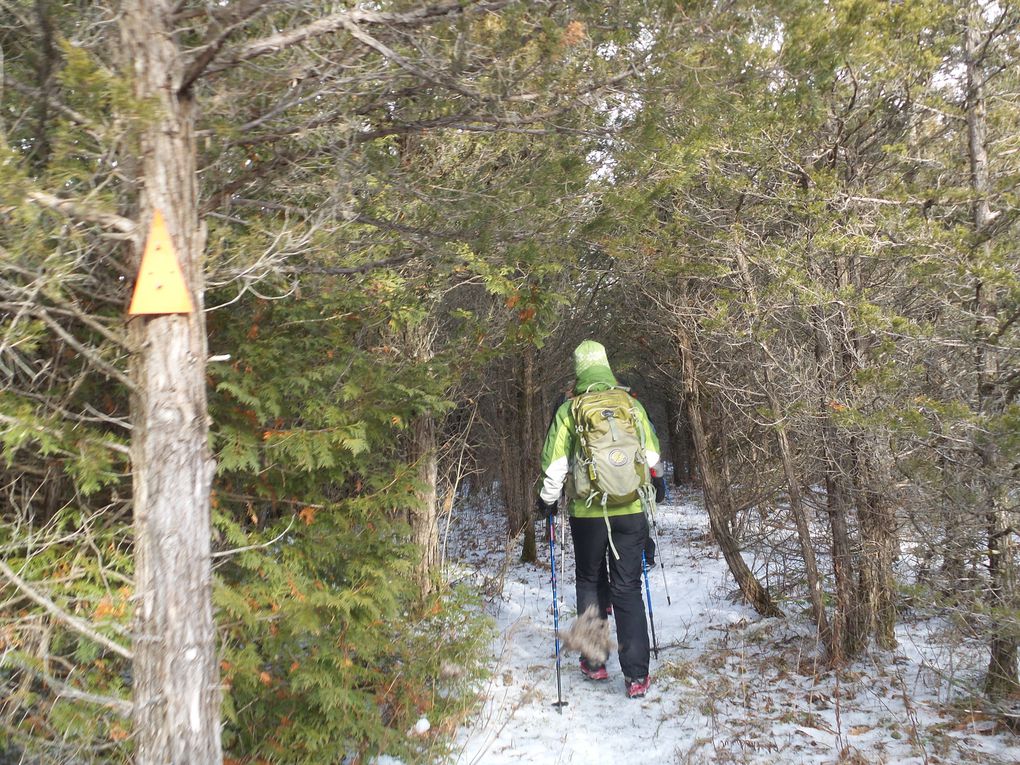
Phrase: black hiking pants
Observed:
(605, 601)
(591, 545)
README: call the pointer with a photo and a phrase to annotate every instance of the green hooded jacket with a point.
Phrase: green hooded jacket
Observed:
(592, 370)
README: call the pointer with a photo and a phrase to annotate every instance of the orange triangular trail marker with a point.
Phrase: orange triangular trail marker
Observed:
(160, 287)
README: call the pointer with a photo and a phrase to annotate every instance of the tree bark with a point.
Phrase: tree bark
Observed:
(423, 518)
(175, 676)
(519, 447)
(841, 644)
(680, 446)
(529, 451)
(717, 501)
(879, 536)
(48, 57)
(423, 452)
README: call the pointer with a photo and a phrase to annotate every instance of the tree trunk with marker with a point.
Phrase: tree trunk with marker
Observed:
(175, 676)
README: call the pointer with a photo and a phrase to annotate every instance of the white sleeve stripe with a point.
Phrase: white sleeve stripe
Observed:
(555, 475)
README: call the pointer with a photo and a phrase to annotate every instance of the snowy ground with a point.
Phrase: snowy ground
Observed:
(727, 685)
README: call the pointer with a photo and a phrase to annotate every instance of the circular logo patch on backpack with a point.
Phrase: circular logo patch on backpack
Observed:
(618, 458)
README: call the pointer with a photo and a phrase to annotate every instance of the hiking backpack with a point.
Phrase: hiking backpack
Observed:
(609, 465)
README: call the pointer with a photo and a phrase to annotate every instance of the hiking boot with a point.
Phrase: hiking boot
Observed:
(593, 671)
(636, 689)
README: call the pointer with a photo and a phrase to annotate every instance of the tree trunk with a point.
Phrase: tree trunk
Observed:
(48, 56)
(519, 449)
(423, 517)
(1002, 678)
(717, 500)
(423, 453)
(865, 585)
(680, 447)
(878, 533)
(870, 478)
(175, 675)
(797, 509)
(800, 519)
(529, 452)
(841, 644)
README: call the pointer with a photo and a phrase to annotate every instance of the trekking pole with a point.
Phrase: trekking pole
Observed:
(662, 560)
(559, 703)
(648, 505)
(648, 597)
(563, 550)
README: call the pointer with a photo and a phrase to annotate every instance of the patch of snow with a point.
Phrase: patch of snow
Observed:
(421, 727)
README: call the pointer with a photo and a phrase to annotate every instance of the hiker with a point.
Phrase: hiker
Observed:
(604, 524)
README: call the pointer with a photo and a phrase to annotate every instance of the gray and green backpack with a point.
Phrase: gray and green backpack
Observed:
(609, 465)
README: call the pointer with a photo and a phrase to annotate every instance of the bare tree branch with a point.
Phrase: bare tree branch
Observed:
(88, 353)
(210, 50)
(270, 543)
(359, 34)
(83, 212)
(67, 111)
(338, 21)
(348, 270)
(62, 616)
(121, 707)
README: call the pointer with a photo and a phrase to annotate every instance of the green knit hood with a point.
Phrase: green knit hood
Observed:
(591, 367)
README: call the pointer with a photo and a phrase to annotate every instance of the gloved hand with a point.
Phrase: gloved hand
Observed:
(660, 488)
(544, 509)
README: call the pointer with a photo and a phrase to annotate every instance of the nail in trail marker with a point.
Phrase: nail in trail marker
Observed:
(160, 287)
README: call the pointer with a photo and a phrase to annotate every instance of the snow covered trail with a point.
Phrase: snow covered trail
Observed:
(727, 685)
(599, 724)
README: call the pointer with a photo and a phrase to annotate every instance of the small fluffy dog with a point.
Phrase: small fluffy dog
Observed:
(589, 636)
